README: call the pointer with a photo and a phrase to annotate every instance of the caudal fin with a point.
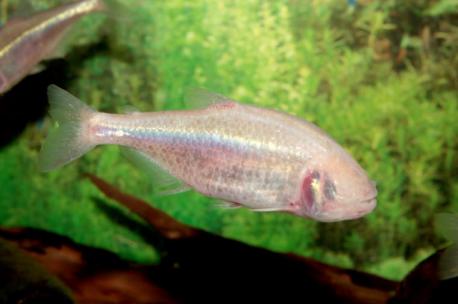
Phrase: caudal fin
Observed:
(447, 224)
(70, 139)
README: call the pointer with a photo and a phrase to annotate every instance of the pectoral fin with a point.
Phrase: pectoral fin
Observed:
(163, 182)
(228, 205)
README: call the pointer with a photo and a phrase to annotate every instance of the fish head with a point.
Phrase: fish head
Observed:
(336, 189)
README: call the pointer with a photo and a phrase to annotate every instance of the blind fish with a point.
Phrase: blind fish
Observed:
(24, 42)
(253, 157)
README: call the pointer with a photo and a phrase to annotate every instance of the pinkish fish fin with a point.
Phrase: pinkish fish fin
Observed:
(130, 110)
(228, 205)
(201, 99)
(163, 182)
(70, 140)
(266, 209)
(172, 189)
(447, 224)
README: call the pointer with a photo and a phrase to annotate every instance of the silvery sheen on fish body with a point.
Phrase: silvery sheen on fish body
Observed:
(26, 41)
(244, 155)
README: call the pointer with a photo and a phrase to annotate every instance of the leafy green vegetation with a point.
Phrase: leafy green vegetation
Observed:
(380, 77)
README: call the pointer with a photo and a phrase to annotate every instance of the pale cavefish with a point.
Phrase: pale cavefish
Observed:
(26, 41)
(241, 154)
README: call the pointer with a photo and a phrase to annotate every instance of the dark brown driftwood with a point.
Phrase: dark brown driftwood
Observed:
(94, 275)
(203, 267)
(422, 286)
(199, 267)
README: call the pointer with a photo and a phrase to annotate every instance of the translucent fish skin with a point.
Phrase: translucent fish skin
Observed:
(24, 42)
(258, 158)
(255, 157)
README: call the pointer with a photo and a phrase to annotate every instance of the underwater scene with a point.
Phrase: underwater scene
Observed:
(228, 151)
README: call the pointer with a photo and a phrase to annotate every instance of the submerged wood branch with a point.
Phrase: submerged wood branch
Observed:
(164, 224)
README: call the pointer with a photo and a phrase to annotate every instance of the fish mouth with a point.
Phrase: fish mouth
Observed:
(368, 205)
(369, 200)
(360, 209)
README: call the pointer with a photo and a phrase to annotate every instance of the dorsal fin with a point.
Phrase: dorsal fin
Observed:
(198, 98)
(129, 109)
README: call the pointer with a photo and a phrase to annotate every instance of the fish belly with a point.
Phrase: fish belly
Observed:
(241, 176)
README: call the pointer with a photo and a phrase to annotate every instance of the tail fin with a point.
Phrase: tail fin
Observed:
(70, 140)
(447, 224)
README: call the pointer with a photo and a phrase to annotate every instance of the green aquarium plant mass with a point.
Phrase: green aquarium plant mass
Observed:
(383, 87)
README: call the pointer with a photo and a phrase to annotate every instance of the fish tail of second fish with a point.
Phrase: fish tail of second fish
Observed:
(447, 224)
(69, 140)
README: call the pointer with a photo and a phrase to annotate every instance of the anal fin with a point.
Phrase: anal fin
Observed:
(228, 205)
(273, 209)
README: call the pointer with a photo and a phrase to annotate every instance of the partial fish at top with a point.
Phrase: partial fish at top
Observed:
(248, 156)
(26, 41)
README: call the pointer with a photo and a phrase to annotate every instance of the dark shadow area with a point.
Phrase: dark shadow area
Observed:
(27, 101)
(118, 217)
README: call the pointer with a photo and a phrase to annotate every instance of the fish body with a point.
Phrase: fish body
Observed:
(24, 42)
(258, 158)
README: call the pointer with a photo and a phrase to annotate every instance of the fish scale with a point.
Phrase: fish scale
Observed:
(257, 158)
(213, 142)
